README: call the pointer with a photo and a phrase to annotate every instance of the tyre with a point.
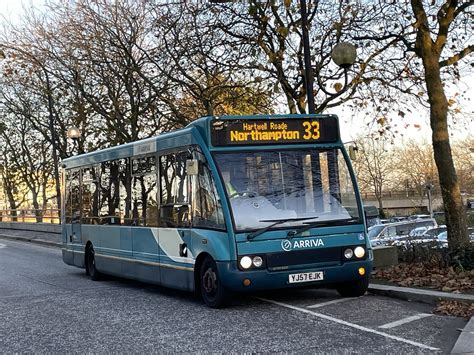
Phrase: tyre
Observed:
(353, 289)
(90, 264)
(213, 293)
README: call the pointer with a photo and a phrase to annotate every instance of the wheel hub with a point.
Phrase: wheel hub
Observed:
(209, 281)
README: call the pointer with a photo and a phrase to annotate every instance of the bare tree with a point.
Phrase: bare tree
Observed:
(375, 166)
(415, 166)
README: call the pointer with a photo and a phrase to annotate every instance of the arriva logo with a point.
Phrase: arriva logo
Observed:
(287, 245)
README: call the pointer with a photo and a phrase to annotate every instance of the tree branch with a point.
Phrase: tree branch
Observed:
(456, 58)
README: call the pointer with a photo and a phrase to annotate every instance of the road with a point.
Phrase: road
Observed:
(47, 306)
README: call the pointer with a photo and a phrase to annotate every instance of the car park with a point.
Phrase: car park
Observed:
(421, 235)
(386, 234)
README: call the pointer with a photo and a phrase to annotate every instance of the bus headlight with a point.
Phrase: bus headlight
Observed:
(359, 252)
(257, 261)
(348, 253)
(245, 262)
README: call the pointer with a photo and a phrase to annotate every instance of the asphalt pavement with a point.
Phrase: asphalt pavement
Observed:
(47, 306)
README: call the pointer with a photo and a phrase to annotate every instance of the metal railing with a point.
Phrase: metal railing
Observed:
(49, 215)
(413, 194)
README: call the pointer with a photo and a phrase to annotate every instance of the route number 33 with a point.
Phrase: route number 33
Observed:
(311, 130)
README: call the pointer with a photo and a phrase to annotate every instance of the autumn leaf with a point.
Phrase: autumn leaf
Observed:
(338, 87)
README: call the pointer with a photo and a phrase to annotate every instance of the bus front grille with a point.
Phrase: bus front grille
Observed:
(281, 260)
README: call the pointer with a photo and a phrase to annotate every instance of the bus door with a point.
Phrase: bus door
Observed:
(143, 217)
(75, 237)
(176, 260)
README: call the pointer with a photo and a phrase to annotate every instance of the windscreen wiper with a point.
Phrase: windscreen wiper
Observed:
(309, 225)
(275, 223)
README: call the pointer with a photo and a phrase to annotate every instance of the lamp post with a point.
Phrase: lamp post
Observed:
(74, 133)
(308, 71)
(429, 187)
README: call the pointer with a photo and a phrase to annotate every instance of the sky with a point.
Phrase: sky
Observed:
(352, 125)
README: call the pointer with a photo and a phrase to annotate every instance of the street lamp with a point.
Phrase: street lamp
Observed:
(344, 54)
(74, 133)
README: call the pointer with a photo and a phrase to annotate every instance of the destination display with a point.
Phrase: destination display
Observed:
(274, 131)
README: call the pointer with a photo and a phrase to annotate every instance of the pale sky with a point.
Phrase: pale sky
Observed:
(351, 125)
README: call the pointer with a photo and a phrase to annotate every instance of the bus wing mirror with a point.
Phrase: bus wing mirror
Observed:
(192, 167)
(353, 152)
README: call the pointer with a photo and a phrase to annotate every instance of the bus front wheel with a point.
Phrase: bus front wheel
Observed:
(90, 264)
(353, 289)
(213, 292)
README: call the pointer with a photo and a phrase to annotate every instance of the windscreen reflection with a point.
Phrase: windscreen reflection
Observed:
(288, 184)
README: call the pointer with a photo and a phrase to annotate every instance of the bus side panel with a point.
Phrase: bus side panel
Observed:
(68, 255)
(214, 243)
(145, 263)
(176, 268)
(106, 242)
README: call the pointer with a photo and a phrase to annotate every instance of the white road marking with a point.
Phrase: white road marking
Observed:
(331, 302)
(405, 320)
(2, 246)
(348, 324)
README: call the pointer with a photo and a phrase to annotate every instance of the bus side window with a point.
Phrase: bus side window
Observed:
(125, 191)
(206, 205)
(109, 186)
(144, 192)
(90, 195)
(72, 202)
(174, 208)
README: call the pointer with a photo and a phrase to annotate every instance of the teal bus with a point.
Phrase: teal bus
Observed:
(227, 204)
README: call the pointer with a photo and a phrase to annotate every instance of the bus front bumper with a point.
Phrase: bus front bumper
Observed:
(255, 280)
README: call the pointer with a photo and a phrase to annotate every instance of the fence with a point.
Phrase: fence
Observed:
(414, 194)
(50, 215)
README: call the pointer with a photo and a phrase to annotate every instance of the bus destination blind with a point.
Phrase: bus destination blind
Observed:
(274, 131)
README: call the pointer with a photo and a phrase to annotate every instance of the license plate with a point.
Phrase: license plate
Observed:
(305, 277)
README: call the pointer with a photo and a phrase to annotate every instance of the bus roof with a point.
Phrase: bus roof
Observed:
(146, 145)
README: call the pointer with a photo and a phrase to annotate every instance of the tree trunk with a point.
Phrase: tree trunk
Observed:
(38, 212)
(381, 211)
(429, 51)
(57, 177)
(450, 190)
(454, 210)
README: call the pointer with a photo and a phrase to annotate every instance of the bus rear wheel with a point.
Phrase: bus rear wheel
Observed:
(90, 264)
(213, 292)
(354, 289)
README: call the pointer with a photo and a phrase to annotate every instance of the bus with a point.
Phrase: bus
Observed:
(227, 204)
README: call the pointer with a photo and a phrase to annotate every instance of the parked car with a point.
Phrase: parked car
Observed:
(443, 238)
(421, 235)
(386, 234)
(397, 219)
(434, 232)
(418, 231)
(415, 217)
